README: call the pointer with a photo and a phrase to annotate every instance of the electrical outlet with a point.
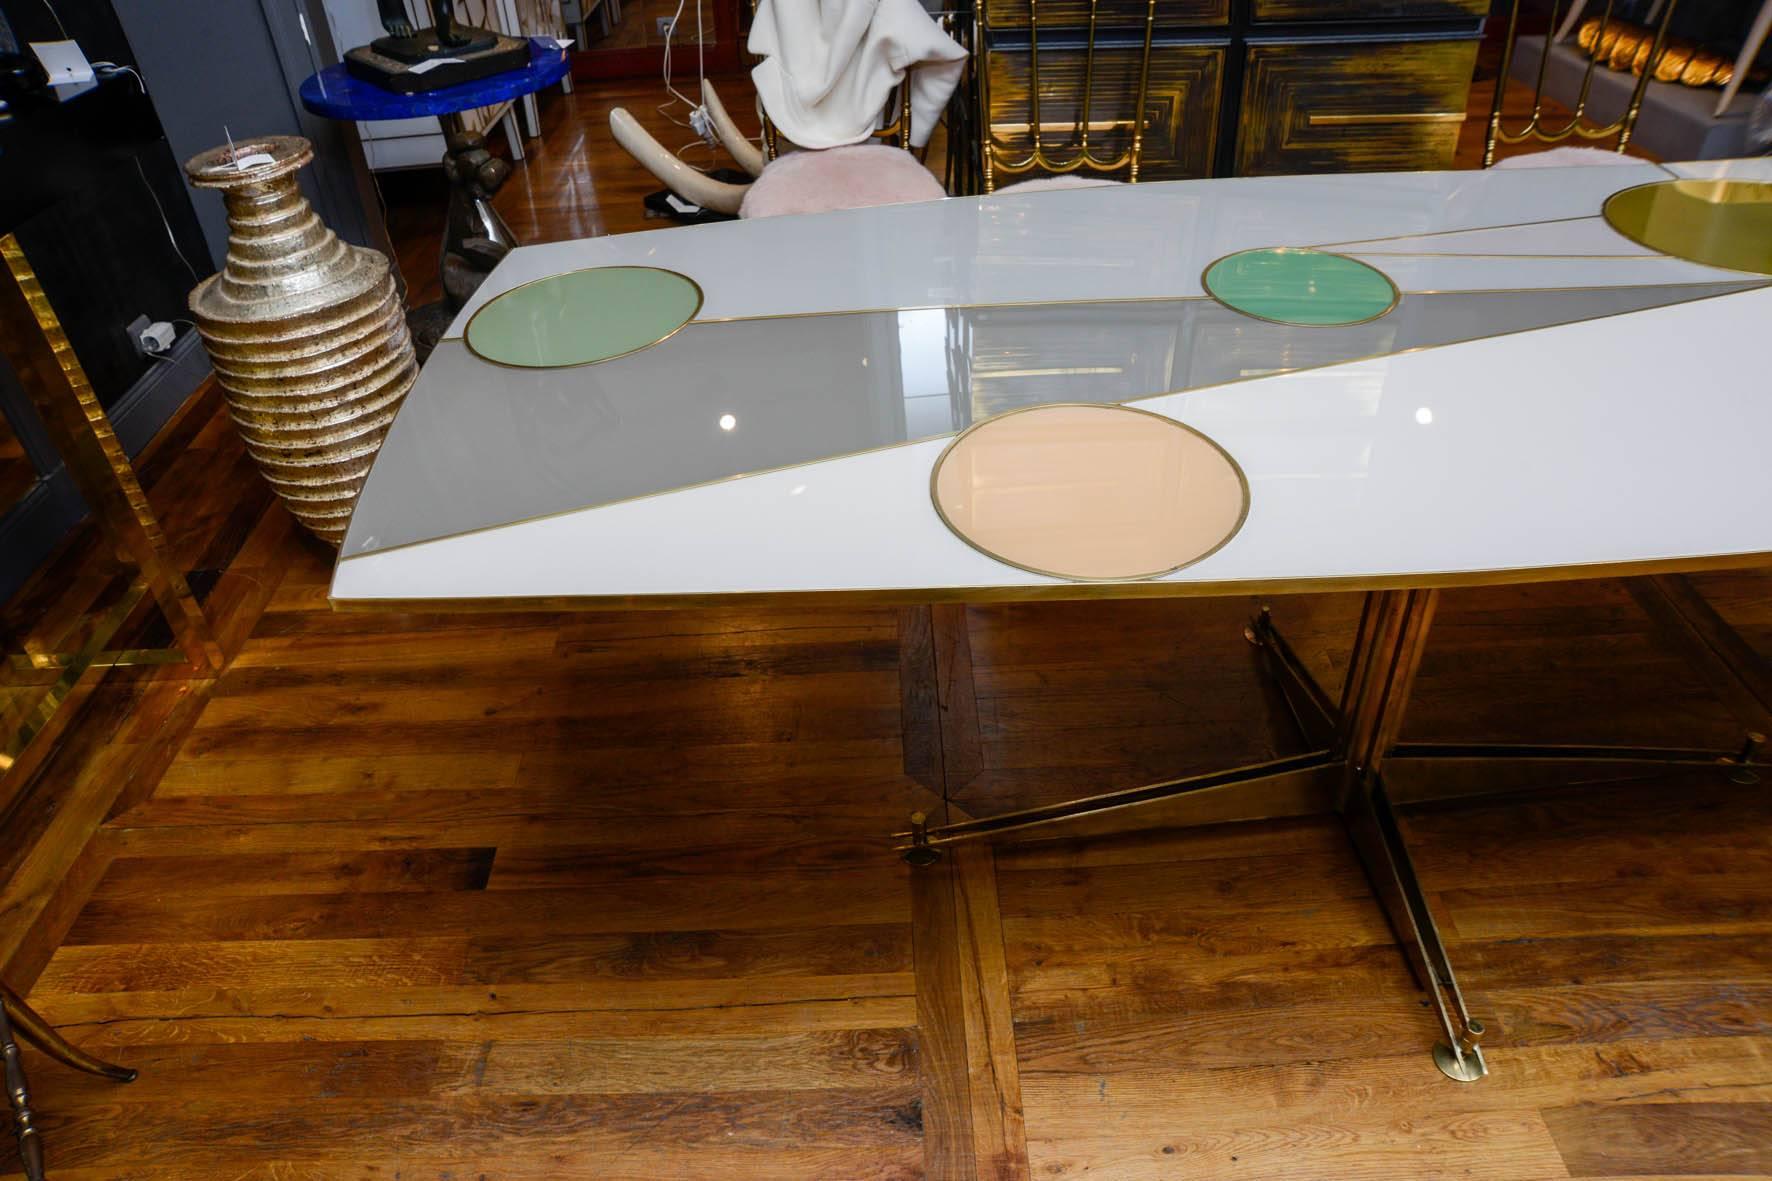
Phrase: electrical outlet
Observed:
(134, 329)
(664, 25)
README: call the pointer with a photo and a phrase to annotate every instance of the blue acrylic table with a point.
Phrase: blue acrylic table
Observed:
(476, 237)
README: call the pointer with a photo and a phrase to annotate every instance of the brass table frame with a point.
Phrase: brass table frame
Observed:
(32, 341)
(1349, 745)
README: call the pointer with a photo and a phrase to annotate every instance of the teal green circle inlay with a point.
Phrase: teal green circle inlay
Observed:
(1291, 285)
(582, 316)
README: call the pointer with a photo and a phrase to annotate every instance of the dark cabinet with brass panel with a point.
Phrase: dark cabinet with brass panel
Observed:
(1180, 108)
(1351, 107)
(1230, 87)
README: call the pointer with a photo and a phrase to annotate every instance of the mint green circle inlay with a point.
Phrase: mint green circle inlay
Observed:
(582, 316)
(1292, 285)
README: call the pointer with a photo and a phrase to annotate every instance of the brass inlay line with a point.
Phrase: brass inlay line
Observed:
(1120, 402)
(1399, 117)
(1509, 225)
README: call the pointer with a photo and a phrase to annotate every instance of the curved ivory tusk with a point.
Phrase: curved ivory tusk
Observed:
(748, 155)
(676, 176)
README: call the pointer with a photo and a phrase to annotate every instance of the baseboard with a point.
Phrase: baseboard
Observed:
(45, 514)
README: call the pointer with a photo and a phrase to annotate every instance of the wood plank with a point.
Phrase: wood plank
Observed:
(999, 1128)
(1724, 1138)
(949, 1140)
(395, 1012)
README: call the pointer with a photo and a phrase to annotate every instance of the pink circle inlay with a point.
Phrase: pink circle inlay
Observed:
(1090, 492)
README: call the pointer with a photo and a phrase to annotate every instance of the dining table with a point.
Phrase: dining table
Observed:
(1391, 383)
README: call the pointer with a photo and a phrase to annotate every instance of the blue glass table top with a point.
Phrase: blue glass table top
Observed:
(335, 94)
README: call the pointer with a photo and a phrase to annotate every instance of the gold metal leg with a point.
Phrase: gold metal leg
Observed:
(1387, 653)
(18, 1095)
(40, 1033)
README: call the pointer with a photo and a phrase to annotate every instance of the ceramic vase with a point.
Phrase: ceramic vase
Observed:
(306, 333)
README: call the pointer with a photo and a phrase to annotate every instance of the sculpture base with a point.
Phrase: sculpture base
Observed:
(390, 62)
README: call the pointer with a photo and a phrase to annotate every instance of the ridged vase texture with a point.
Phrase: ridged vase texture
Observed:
(306, 333)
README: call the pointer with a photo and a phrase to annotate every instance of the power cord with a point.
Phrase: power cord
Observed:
(164, 220)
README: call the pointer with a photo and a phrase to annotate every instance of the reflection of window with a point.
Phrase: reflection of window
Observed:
(923, 372)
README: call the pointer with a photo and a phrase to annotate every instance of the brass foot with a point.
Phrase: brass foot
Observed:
(920, 853)
(1465, 1063)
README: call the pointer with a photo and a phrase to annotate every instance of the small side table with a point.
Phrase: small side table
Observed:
(476, 237)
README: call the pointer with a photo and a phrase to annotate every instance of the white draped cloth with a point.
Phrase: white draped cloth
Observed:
(829, 65)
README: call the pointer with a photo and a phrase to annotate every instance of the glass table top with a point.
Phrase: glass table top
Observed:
(479, 445)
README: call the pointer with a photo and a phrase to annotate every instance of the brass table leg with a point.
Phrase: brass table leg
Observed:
(1387, 652)
(30, 1146)
(18, 1017)
(40, 1033)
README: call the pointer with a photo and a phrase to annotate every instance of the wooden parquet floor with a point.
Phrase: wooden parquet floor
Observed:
(610, 896)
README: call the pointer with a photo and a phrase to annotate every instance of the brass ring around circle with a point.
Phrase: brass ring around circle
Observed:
(1089, 492)
(1719, 223)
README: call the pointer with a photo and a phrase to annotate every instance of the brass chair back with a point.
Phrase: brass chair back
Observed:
(1578, 125)
(1075, 153)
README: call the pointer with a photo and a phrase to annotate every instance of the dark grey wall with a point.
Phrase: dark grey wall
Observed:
(212, 64)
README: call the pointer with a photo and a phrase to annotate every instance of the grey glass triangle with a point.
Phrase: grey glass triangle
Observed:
(477, 446)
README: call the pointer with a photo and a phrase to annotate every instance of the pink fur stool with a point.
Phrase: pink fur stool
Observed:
(839, 178)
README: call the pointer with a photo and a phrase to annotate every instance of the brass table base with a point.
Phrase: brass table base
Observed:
(1348, 746)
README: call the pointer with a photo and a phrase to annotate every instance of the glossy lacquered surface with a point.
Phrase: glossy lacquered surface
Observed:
(333, 92)
(1145, 241)
(1600, 418)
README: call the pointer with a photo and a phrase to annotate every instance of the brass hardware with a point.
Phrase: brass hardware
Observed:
(919, 852)
(1462, 1061)
(1534, 128)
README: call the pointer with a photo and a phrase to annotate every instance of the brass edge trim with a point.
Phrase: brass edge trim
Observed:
(1381, 117)
(1396, 295)
(1606, 206)
(468, 328)
(1059, 591)
(1184, 390)
(1237, 468)
(1364, 254)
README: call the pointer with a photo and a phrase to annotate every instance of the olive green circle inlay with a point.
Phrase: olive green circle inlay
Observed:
(1292, 285)
(582, 316)
(1721, 223)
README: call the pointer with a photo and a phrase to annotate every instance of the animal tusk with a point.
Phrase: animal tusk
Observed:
(689, 183)
(748, 154)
